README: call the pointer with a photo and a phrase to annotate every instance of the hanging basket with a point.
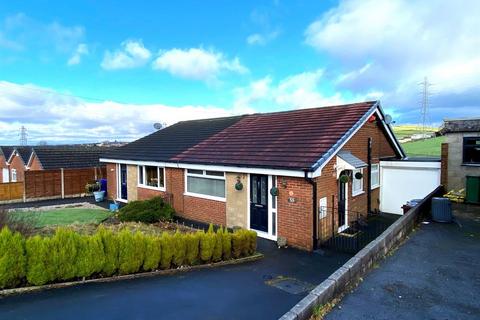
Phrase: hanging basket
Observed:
(344, 178)
(358, 175)
(274, 191)
(238, 186)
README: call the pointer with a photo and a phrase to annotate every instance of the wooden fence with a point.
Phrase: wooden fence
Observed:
(49, 184)
(11, 191)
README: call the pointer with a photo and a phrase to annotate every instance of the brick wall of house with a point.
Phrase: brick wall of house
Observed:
(145, 193)
(17, 163)
(35, 164)
(295, 218)
(3, 165)
(175, 185)
(328, 184)
(111, 181)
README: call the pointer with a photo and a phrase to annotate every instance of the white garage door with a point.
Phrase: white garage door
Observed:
(406, 180)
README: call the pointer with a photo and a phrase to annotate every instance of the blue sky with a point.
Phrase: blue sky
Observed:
(96, 70)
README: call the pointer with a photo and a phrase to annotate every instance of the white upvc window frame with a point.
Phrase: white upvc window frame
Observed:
(377, 165)
(142, 184)
(14, 175)
(205, 176)
(357, 192)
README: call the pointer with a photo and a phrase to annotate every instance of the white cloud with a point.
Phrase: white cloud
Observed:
(196, 63)
(131, 55)
(392, 45)
(76, 58)
(301, 90)
(262, 38)
(56, 118)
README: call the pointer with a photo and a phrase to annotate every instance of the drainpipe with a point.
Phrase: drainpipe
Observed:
(369, 180)
(314, 199)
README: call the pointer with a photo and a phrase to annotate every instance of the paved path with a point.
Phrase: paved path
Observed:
(231, 292)
(434, 275)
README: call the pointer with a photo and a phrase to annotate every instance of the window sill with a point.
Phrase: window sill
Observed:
(375, 187)
(203, 196)
(121, 200)
(471, 164)
(357, 193)
(151, 188)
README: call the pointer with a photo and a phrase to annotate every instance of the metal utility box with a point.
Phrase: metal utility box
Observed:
(473, 189)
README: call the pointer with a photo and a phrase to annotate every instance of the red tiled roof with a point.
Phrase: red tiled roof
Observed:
(292, 139)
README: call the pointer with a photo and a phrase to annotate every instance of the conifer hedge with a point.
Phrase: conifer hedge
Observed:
(67, 255)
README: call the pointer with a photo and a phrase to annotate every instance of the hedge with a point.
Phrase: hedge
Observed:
(147, 211)
(68, 255)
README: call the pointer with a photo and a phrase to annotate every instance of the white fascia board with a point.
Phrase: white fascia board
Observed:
(318, 172)
(266, 171)
(411, 164)
(389, 130)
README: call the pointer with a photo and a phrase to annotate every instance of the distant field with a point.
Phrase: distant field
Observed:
(403, 131)
(424, 148)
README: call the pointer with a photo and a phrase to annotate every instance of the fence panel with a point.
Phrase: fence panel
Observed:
(43, 183)
(76, 179)
(11, 191)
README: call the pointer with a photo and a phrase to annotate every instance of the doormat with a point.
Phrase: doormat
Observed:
(290, 285)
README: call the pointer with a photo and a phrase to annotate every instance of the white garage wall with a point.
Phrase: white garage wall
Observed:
(406, 180)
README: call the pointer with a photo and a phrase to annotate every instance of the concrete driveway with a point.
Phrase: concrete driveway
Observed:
(264, 289)
(434, 275)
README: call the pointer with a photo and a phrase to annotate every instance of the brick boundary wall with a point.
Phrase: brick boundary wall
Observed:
(362, 262)
(444, 168)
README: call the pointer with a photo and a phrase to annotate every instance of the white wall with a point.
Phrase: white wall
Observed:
(402, 181)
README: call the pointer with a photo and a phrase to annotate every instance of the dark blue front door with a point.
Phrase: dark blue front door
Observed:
(259, 202)
(123, 181)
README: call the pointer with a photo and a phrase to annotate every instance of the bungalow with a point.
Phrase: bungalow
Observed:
(66, 157)
(5, 152)
(15, 163)
(275, 173)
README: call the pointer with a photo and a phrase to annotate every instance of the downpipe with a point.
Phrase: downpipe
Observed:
(314, 206)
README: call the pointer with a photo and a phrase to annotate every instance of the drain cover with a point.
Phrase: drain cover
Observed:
(290, 285)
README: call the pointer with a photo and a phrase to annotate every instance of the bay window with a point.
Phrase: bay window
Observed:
(206, 183)
(151, 177)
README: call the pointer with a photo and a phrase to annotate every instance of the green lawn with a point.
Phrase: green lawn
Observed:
(402, 131)
(424, 148)
(61, 217)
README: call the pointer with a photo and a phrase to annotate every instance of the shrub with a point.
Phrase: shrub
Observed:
(90, 255)
(207, 244)
(147, 211)
(252, 242)
(12, 258)
(227, 245)
(179, 248)
(153, 253)
(40, 268)
(193, 243)
(217, 249)
(238, 241)
(167, 250)
(64, 253)
(110, 250)
(131, 251)
(22, 222)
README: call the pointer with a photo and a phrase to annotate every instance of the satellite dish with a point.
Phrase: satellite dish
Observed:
(388, 119)
(159, 126)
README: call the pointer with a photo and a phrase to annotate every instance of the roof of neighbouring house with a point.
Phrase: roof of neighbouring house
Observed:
(460, 125)
(67, 157)
(7, 151)
(299, 139)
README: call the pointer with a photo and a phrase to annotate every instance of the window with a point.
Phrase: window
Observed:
(471, 150)
(375, 176)
(14, 175)
(152, 177)
(357, 184)
(322, 208)
(206, 183)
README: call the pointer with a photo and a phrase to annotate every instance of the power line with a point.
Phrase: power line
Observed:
(23, 136)
(425, 104)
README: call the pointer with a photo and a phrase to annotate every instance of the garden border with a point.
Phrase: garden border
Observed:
(362, 262)
(23, 290)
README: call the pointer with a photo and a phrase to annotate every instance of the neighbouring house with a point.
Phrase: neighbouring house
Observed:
(65, 157)
(276, 173)
(17, 163)
(461, 156)
(5, 152)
